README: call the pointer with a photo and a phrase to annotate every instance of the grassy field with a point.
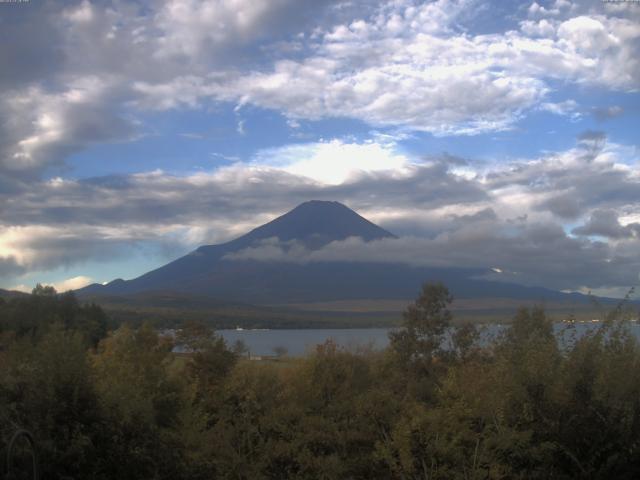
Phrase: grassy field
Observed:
(165, 311)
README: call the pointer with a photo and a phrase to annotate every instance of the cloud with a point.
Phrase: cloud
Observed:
(31, 47)
(62, 286)
(335, 161)
(569, 184)
(412, 65)
(532, 254)
(404, 66)
(72, 283)
(605, 223)
(274, 181)
(507, 216)
(558, 7)
(9, 266)
(86, 73)
(45, 128)
(50, 245)
(215, 29)
(567, 107)
(76, 76)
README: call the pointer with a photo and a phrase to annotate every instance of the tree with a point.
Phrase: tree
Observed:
(142, 404)
(44, 290)
(424, 324)
(34, 315)
(240, 348)
(464, 339)
(210, 360)
(46, 388)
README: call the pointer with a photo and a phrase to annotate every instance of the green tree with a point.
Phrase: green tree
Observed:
(47, 388)
(209, 362)
(418, 344)
(33, 315)
(424, 324)
(142, 404)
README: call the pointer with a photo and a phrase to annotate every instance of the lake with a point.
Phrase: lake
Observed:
(301, 341)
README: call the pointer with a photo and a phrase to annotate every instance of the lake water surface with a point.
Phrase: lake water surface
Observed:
(301, 341)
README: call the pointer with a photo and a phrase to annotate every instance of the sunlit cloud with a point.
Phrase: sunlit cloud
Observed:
(336, 161)
(62, 286)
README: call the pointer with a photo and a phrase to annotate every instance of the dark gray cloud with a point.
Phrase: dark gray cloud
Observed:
(600, 187)
(41, 129)
(31, 47)
(605, 223)
(430, 226)
(535, 254)
(564, 205)
(229, 193)
(572, 183)
(487, 214)
(428, 186)
(9, 267)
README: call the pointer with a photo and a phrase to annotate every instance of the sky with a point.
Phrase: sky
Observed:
(485, 133)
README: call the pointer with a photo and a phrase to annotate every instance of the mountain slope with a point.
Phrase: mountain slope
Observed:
(314, 224)
(206, 271)
(7, 294)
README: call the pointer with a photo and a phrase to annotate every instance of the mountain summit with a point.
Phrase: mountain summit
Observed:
(314, 223)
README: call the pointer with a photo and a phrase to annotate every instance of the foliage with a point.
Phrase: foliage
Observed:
(425, 322)
(440, 403)
(32, 316)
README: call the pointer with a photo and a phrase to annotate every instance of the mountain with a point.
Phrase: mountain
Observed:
(205, 271)
(208, 272)
(7, 294)
(314, 223)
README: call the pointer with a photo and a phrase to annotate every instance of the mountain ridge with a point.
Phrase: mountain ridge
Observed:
(8, 294)
(207, 271)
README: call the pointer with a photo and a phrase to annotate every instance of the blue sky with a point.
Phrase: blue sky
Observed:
(136, 131)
